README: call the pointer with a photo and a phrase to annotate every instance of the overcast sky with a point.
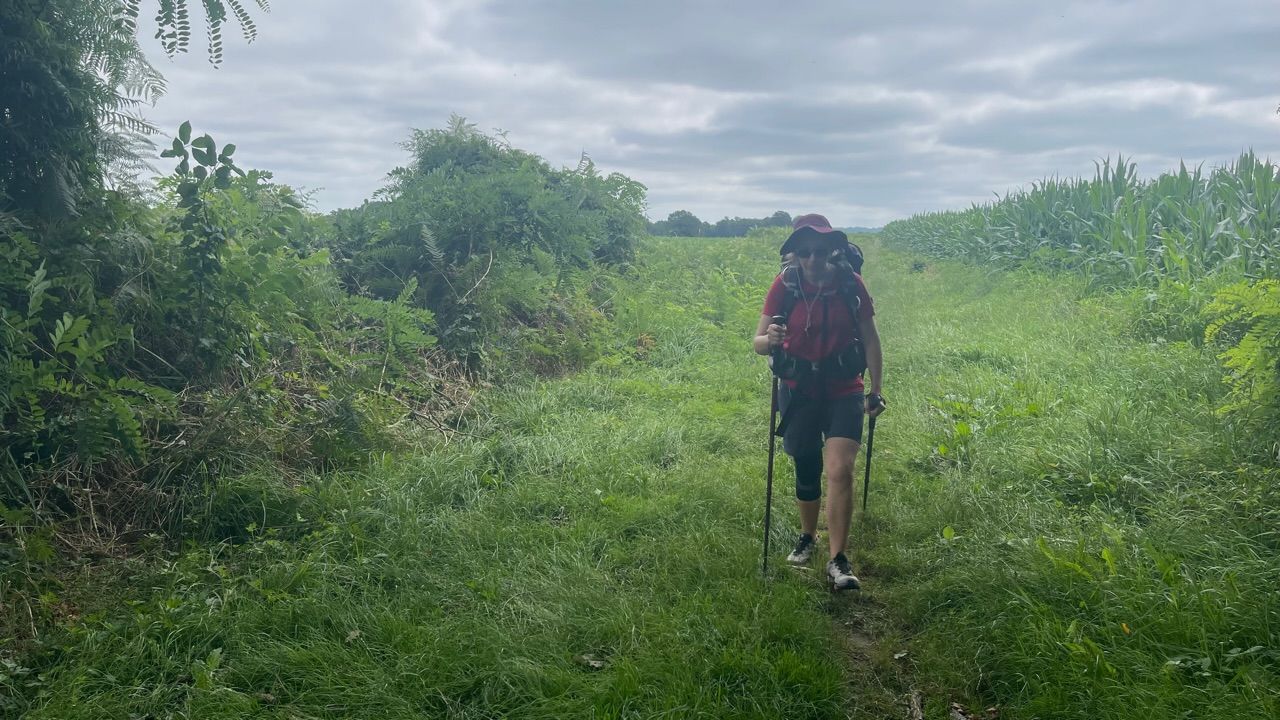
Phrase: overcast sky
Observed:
(864, 111)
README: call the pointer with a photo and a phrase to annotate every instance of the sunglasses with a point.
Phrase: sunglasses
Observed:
(807, 252)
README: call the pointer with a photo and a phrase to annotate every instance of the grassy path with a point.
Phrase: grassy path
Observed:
(592, 549)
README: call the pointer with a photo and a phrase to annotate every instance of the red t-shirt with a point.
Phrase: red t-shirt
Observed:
(813, 311)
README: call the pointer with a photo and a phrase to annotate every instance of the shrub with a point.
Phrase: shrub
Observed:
(492, 234)
(1246, 318)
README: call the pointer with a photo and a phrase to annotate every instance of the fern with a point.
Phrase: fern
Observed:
(1247, 316)
(431, 248)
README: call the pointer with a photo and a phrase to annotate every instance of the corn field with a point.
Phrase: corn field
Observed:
(1117, 229)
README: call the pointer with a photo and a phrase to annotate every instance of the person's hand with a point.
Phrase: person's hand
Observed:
(875, 404)
(777, 333)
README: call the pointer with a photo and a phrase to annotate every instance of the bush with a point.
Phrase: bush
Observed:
(146, 346)
(494, 236)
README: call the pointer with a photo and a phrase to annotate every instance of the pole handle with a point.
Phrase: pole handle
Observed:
(775, 353)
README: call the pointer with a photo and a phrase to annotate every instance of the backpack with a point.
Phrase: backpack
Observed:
(849, 362)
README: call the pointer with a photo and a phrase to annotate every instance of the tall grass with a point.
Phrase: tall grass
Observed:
(1059, 525)
(1187, 247)
(1069, 528)
(1116, 229)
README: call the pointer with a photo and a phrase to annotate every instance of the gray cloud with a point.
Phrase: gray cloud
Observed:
(864, 111)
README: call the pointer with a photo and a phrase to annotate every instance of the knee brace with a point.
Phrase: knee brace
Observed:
(809, 477)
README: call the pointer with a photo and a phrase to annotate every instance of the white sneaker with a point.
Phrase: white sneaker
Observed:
(841, 575)
(803, 551)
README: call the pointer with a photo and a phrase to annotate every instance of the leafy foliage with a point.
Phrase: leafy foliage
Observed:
(203, 332)
(71, 79)
(173, 22)
(495, 238)
(1246, 316)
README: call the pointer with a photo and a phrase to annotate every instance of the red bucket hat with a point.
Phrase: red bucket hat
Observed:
(813, 225)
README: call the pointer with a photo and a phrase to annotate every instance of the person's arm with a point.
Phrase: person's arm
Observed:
(875, 361)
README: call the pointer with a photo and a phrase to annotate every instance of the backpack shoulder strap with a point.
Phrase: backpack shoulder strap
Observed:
(848, 274)
(791, 281)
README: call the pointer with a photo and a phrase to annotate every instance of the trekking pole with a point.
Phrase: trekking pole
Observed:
(866, 480)
(773, 419)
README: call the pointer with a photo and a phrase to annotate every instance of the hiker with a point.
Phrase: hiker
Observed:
(822, 400)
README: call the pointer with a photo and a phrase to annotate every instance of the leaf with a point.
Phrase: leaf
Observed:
(228, 150)
(36, 290)
(1110, 559)
(133, 385)
(67, 330)
(184, 132)
(948, 533)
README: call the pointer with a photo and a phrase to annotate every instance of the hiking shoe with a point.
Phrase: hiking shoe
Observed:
(841, 575)
(803, 551)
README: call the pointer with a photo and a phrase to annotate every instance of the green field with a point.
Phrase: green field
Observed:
(1059, 526)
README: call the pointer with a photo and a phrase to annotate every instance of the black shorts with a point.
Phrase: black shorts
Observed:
(815, 419)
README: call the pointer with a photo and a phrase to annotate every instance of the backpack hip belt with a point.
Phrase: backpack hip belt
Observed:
(850, 362)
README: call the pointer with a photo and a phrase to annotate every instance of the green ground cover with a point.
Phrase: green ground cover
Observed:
(1059, 525)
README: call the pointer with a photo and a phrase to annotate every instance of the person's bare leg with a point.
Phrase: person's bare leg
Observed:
(809, 516)
(838, 458)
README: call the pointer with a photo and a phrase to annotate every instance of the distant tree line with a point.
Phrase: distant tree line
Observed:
(683, 223)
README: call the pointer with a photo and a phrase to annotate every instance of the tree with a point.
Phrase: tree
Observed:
(68, 78)
(71, 76)
(779, 219)
(683, 223)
